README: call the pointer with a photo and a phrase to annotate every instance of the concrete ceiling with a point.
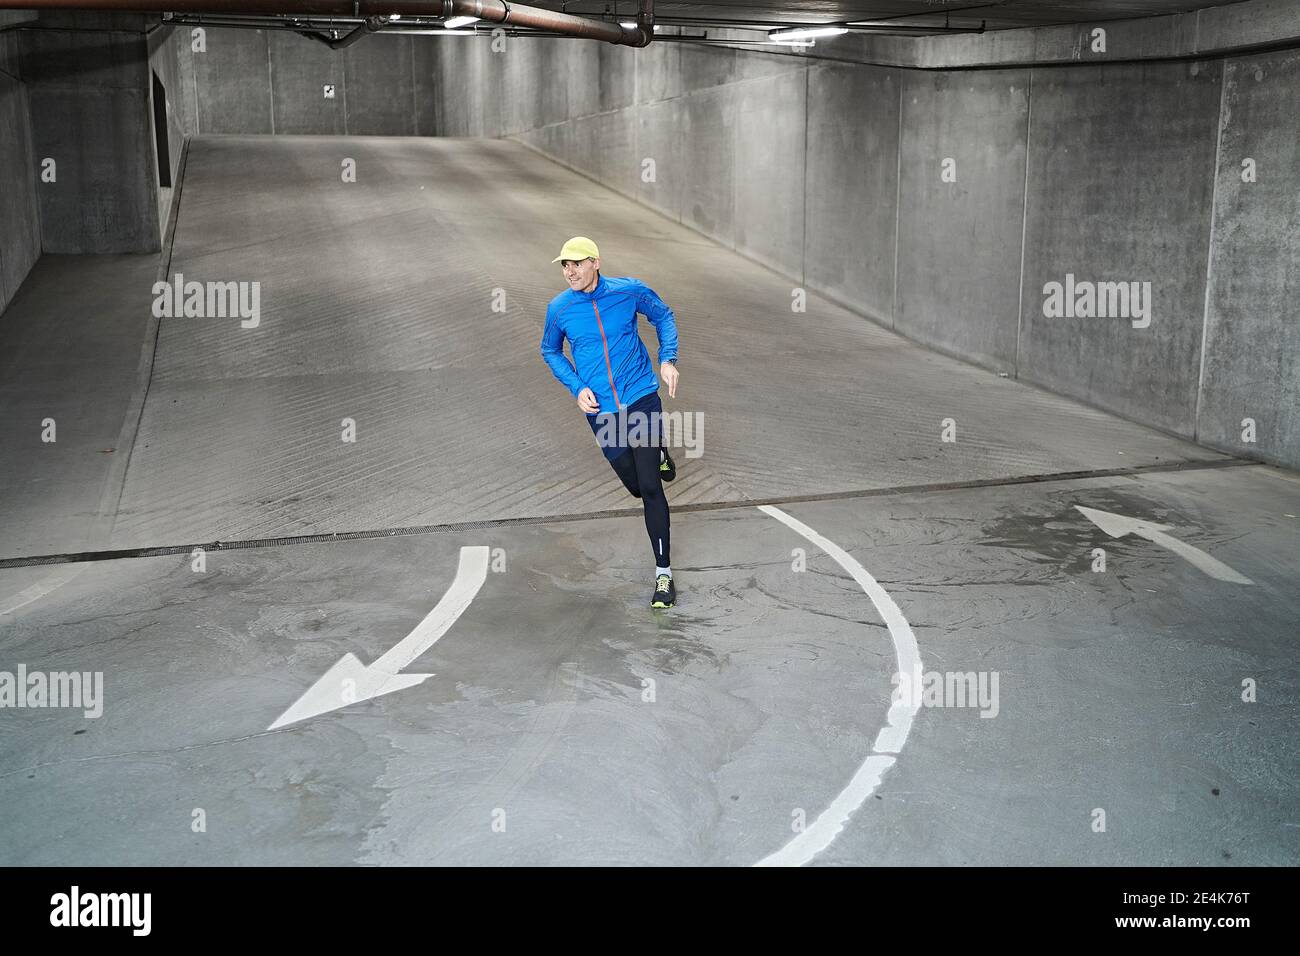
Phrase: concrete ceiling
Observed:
(997, 14)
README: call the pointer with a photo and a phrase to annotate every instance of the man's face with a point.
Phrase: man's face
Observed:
(581, 275)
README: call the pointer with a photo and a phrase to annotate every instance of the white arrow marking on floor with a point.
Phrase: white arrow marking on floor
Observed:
(823, 831)
(1118, 525)
(332, 691)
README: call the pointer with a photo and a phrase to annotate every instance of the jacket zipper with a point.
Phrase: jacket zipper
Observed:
(605, 343)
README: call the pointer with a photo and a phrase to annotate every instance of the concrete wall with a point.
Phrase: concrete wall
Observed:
(88, 98)
(1251, 357)
(962, 169)
(20, 220)
(76, 88)
(171, 60)
(851, 198)
(271, 81)
(834, 175)
(1121, 173)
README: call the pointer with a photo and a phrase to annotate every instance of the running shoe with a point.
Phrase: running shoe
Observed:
(667, 470)
(665, 594)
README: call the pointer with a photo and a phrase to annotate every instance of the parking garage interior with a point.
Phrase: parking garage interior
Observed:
(987, 326)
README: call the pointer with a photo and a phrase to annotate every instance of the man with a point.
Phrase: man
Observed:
(615, 384)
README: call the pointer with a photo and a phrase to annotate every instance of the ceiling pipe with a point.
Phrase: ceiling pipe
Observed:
(864, 26)
(411, 24)
(326, 30)
(492, 11)
(316, 29)
(368, 25)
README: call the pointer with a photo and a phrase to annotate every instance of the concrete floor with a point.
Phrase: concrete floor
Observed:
(1119, 690)
(70, 343)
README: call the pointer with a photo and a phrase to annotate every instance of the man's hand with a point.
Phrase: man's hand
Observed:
(668, 372)
(587, 401)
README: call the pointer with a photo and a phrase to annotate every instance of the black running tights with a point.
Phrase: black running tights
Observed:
(639, 470)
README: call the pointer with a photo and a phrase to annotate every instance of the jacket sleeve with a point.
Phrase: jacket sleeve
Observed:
(661, 317)
(553, 352)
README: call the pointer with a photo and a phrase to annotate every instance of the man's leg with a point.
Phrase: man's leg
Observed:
(625, 467)
(655, 501)
(667, 467)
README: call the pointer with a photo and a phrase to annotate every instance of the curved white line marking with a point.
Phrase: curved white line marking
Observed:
(47, 584)
(823, 831)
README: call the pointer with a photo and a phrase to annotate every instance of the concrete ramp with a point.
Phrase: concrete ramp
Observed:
(380, 303)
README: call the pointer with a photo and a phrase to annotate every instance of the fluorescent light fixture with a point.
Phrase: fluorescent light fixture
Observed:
(394, 16)
(455, 22)
(804, 33)
(631, 24)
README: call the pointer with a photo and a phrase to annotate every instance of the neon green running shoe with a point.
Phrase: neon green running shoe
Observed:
(667, 470)
(665, 594)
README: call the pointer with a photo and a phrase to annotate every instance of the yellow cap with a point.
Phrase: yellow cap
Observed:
(577, 249)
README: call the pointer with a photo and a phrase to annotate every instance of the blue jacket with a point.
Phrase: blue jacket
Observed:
(601, 327)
